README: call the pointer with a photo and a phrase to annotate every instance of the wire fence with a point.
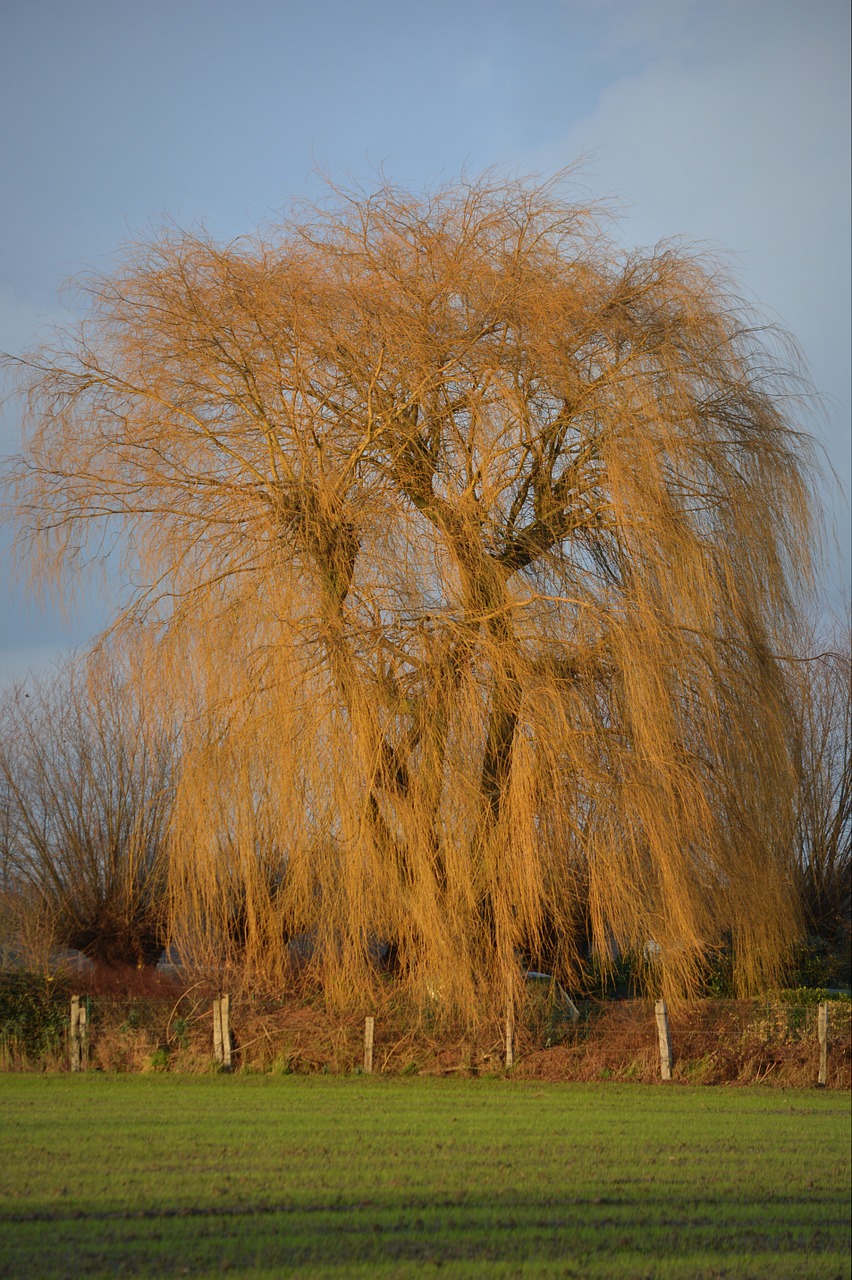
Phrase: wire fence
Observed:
(709, 1041)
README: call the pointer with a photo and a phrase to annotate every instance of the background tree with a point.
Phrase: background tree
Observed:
(86, 785)
(822, 695)
(471, 538)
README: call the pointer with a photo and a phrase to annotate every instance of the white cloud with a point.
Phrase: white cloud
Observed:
(735, 131)
(728, 123)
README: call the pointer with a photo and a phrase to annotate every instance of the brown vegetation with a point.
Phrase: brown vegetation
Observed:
(466, 543)
(153, 1025)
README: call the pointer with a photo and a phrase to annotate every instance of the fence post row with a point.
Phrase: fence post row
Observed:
(823, 1045)
(222, 1031)
(664, 1036)
(78, 1036)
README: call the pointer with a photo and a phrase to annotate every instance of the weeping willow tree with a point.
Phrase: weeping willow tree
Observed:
(469, 540)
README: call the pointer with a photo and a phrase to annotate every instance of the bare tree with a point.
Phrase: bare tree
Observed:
(822, 694)
(470, 538)
(87, 787)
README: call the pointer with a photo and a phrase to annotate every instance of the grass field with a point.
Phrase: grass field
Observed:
(320, 1176)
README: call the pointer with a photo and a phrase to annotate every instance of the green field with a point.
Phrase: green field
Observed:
(322, 1176)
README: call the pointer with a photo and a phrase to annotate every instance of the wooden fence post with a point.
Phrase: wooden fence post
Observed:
(510, 1033)
(74, 1034)
(369, 1029)
(217, 1031)
(225, 1005)
(222, 1031)
(84, 1035)
(78, 1037)
(663, 1035)
(823, 1045)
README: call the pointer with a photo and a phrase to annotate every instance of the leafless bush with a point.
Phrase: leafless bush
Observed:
(85, 793)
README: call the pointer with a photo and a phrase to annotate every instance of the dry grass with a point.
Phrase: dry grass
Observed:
(713, 1042)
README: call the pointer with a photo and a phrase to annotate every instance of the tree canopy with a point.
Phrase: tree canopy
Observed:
(466, 540)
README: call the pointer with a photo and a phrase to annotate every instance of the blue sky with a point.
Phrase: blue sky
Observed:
(724, 123)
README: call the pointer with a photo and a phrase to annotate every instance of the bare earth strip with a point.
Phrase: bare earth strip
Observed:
(291, 1176)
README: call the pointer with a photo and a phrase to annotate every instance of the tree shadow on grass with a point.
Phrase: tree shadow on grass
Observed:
(645, 1234)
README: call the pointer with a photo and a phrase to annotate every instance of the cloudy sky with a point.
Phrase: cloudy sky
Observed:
(721, 122)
